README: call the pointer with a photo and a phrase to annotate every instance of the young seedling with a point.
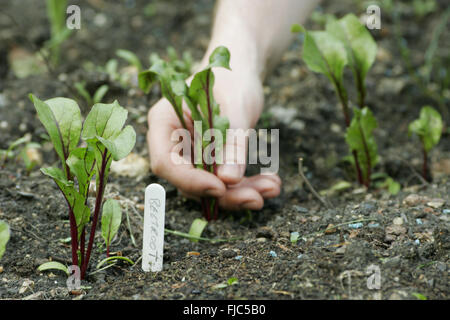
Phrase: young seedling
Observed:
(347, 42)
(183, 65)
(96, 98)
(428, 127)
(111, 218)
(56, 12)
(205, 112)
(106, 139)
(24, 149)
(4, 236)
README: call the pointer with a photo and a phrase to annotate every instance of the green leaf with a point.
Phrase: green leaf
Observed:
(81, 163)
(130, 57)
(104, 120)
(324, 53)
(100, 93)
(111, 219)
(120, 145)
(220, 57)
(66, 186)
(428, 127)
(419, 296)
(359, 138)
(81, 88)
(393, 186)
(108, 259)
(294, 237)
(81, 212)
(232, 281)
(146, 80)
(296, 28)
(197, 227)
(53, 265)
(4, 236)
(360, 46)
(61, 118)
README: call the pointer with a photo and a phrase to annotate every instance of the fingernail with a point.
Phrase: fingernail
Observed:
(233, 171)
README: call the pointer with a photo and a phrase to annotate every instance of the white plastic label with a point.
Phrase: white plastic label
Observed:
(154, 213)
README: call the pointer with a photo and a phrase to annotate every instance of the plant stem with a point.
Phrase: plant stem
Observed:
(98, 204)
(73, 235)
(344, 102)
(425, 166)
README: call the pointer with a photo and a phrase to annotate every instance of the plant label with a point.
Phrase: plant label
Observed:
(154, 213)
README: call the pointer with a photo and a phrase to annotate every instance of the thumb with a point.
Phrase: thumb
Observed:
(235, 155)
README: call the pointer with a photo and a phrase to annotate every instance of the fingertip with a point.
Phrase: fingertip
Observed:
(231, 173)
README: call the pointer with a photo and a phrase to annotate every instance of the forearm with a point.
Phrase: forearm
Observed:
(256, 31)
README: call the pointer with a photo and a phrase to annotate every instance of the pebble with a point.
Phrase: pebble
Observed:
(398, 221)
(300, 209)
(238, 258)
(261, 239)
(228, 253)
(417, 241)
(419, 221)
(341, 250)
(436, 203)
(26, 285)
(300, 256)
(330, 229)
(133, 166)
(373, 225)
(1, 269)
(446, 211)
(273, 254)
(412, 200)
(355, 225)
(35, 296)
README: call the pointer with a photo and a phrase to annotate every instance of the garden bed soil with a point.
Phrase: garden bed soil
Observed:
(408, 240)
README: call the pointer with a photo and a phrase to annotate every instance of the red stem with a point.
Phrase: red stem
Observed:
(98, 204)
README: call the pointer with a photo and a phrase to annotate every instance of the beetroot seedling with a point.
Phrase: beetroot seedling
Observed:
(428, 127)
(4, 236)
(106, 139)
(205, 112)
(346, 42)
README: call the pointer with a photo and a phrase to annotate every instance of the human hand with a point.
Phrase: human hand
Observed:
(240, 96)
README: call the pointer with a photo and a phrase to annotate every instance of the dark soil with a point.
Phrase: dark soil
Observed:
(413, 257)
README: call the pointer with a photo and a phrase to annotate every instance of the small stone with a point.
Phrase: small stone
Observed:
(300, 256)
(26, 285)
(355, 225)
(341, 250)
(446, 211)
(373, 225)
(273, 254)
(398, 221)
(196, 291)
(330, 229)
(436, 203)
(266, 232)
(1, 269)
(300, 209)
(35, 296)
(412, 200)
(261, 239)
(417, 241)
(133, 166)
(228, 253)
(315, 218)
(419, 222)
(239, 258)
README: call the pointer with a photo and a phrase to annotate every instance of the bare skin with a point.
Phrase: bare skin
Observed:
(256, 32)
